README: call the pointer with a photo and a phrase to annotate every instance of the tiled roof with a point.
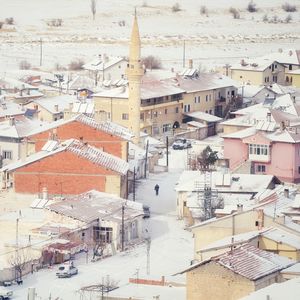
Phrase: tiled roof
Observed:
(249, 262)
(88, 152)
(106, 126)
(253, 263)
(99, 157)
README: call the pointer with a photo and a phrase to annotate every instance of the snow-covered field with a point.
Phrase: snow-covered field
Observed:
(211, 39)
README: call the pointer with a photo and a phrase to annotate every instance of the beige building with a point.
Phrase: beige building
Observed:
(160, 107)
(293, 78)
(208, 92)
(258, 72)
(234, 274)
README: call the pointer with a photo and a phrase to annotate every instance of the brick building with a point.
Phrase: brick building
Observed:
(69, 168)
(107, 136)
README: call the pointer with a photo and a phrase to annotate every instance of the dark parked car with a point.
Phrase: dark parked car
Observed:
(180, 144)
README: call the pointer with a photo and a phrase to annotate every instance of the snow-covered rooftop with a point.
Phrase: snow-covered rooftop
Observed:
(203, 116)
(86, 151)
(102, 62)
(93, 205)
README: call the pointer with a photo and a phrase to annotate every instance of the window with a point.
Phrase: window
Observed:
(198, 99)
(142, 116)
(155, 114)
(261, 168)
(275, 66)
(125, 117)
(166, 111)
(298, 170)
(290, 67)
(166, 127)
(206, 98)
(258, 149)
(187, 108)
(195, 99)
(274, 78)
(210, 111)
(176, 110)
(7, 154)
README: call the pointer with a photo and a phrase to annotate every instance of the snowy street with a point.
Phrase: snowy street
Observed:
(171, 250)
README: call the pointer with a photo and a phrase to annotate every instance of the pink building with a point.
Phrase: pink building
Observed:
(276, 153)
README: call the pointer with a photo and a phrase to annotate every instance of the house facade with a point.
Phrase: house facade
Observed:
(258, 72)
(160, 107)
(107, 136)
(69, 168)
(264, 152)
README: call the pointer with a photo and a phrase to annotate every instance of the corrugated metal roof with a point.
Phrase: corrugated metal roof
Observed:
(93, 205)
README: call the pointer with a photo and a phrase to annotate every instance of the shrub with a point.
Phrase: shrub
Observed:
(275, 19)
(76, 65)
(10, 21)
(203, 10)
(151, 62)
(121, 23)
(265, 18)
(24, 65)
(55, 22)
(288, 18)
(1, 24)
(235, 13)
(176, 7)
(251, 7)
(288, 7)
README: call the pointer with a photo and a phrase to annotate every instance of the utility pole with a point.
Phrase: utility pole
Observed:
(146, 158)
(123, 233)
(183, 58)
(41, 51)
(167, 146)
(148, 241)
(134, 184)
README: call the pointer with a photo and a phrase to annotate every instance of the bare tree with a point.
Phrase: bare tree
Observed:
(18, 261)
(93, 8)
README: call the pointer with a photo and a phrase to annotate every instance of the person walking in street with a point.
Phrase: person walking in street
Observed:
(156, 188)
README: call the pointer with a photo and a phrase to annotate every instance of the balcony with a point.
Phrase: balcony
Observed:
(259, 158)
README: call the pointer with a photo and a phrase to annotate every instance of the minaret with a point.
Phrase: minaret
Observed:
(134, 75)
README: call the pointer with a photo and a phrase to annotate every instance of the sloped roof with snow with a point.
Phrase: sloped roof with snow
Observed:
(63, 102)
(87, 152)
(249, 262)
(81, 82)
(258, 64)
(205, 82)
(103, 62)
(93, 205)
(106, 126)
(282, 237)
(200, 115)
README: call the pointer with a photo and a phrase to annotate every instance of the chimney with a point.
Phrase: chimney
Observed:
(269, 117)
(239, 208)
(286, 193)
(56, 107)
(282, 126)
(294, 99)
(11, 121)
(45, 193)
(190, 63)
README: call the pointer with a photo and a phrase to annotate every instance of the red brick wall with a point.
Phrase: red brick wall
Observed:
(100, 139)
(62, 173)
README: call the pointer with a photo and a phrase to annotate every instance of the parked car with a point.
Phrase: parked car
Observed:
(5, 293)
(66, 270)
(146, 209)
(180, 144)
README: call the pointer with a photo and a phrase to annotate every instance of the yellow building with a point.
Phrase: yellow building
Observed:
(207, 92)
(234, 274)
(160, 106)
(293, 78)
(258, 72)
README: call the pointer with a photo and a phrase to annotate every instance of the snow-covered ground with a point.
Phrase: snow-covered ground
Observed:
(171, 250)
(210, 39)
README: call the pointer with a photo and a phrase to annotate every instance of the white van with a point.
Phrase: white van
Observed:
(66, 270)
